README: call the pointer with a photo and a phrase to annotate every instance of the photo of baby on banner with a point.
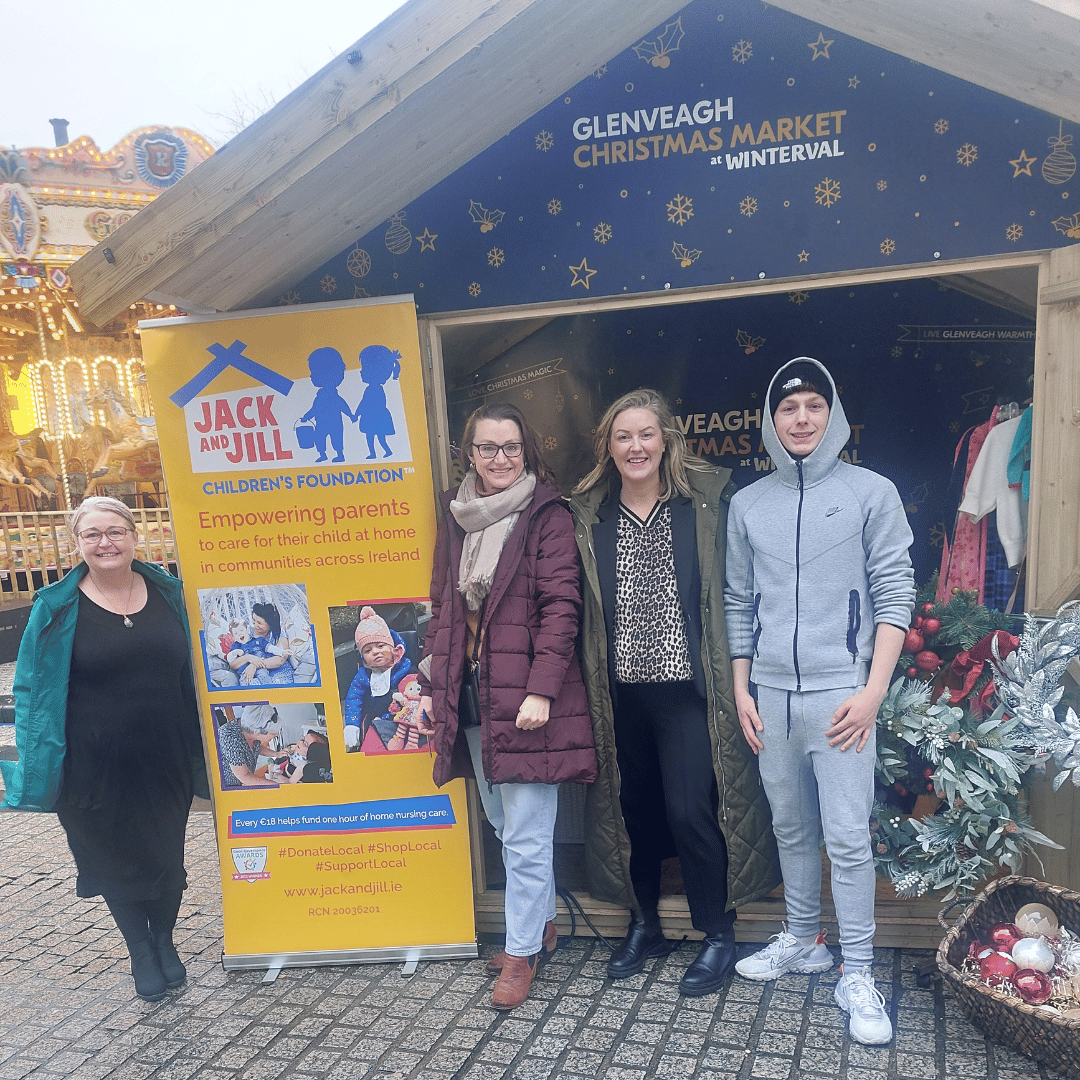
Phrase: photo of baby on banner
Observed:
(266, 745)
(376, 651)
(257, 635)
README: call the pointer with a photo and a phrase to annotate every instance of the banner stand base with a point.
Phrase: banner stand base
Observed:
(405, 954)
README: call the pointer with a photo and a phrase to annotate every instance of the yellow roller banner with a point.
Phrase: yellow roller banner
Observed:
(294, 444)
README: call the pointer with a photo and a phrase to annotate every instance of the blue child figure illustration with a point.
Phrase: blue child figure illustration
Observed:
(327, 373)
(377, 364)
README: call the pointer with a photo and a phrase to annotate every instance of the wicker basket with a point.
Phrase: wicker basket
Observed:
(1031, 1030)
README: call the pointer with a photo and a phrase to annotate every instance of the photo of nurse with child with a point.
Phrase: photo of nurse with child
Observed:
(257, 636)
(376, 650)
(262, 744)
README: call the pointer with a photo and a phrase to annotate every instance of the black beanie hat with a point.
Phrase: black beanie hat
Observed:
(800, 377)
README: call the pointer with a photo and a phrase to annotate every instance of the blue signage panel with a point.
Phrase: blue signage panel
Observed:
(735, 143)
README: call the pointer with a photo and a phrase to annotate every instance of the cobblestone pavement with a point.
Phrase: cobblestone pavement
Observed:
(67, 1007)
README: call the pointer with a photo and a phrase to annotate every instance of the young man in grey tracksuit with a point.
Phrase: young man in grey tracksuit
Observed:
(819, 594)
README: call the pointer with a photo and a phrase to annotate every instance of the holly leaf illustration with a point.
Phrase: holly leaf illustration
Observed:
(749, 344)
(1070, 226)
(646, 50)
(672, 36)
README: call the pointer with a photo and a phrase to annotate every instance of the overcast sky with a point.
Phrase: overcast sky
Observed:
(110, 66)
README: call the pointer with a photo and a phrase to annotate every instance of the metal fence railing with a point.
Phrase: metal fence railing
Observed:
(36, 547)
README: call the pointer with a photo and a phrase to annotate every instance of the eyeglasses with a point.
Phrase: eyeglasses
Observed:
(489, 450)
(115, 534)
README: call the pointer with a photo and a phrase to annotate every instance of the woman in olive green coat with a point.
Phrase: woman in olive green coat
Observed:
(651, 512)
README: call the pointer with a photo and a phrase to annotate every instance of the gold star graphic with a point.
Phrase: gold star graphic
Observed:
(804, 255)
(1022, 164)
(582, 274)
(427, 240)
(821, 46)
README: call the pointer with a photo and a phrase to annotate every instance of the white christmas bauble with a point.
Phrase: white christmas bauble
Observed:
(1033, 952)
(1036, 920)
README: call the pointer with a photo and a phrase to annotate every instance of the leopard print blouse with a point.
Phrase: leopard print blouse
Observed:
(650, 630)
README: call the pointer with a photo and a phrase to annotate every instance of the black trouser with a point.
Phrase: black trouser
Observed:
(669, 793)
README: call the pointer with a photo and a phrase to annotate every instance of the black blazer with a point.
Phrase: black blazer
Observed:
(684, 548)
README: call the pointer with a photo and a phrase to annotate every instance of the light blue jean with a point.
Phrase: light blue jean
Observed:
(805, 780)
(523, 817)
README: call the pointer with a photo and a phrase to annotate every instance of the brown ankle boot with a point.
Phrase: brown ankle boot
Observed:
(548, 946)
(512, 985)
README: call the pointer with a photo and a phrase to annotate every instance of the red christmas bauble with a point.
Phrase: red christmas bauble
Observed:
(1033, 986)
(931, 626)
(927, 660)
(912, 672)
(996, 968)
(913, 641)
(927, 608)
(1004, 936)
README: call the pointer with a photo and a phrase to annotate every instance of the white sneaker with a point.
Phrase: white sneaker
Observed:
(785, 953)
(857, 995)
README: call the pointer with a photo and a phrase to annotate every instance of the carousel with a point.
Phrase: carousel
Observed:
(75, 416)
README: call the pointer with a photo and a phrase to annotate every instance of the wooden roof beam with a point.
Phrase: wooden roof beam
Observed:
(230, 210)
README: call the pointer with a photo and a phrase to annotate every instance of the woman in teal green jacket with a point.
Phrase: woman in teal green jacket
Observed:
(107, 729)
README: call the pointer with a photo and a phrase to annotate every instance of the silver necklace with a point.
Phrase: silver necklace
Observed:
(127, 606)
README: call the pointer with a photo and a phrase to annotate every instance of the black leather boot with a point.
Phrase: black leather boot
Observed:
(714, 965)
(146, 971)
(172, 967)
(639, 944)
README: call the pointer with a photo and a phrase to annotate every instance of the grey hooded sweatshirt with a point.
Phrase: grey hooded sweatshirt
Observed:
(817, 556)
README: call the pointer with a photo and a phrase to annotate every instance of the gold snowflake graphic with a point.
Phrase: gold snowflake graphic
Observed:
(799, 297)
(474, 289)
(882, 185)
(941, 126)
(554, 207)
(611, 371)
(748, 207)
(827, 192)
(937, 532)
(550, 442)
(358, 263)
(954, 426)
(897, 352)
(545, 141)
(328, 284)
(967, 154)
(888, 246)
(680, 209)
(602, 232)
(600, 72)
(741, 51)
(1014, 232)
(496, 257)
(290, 298)
(527, 394)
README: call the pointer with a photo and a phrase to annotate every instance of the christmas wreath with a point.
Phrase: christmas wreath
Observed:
(971, 711)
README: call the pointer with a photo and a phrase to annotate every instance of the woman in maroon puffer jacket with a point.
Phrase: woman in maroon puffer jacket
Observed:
(506, 597)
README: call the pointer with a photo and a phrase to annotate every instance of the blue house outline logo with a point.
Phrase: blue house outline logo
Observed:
(231, 357)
